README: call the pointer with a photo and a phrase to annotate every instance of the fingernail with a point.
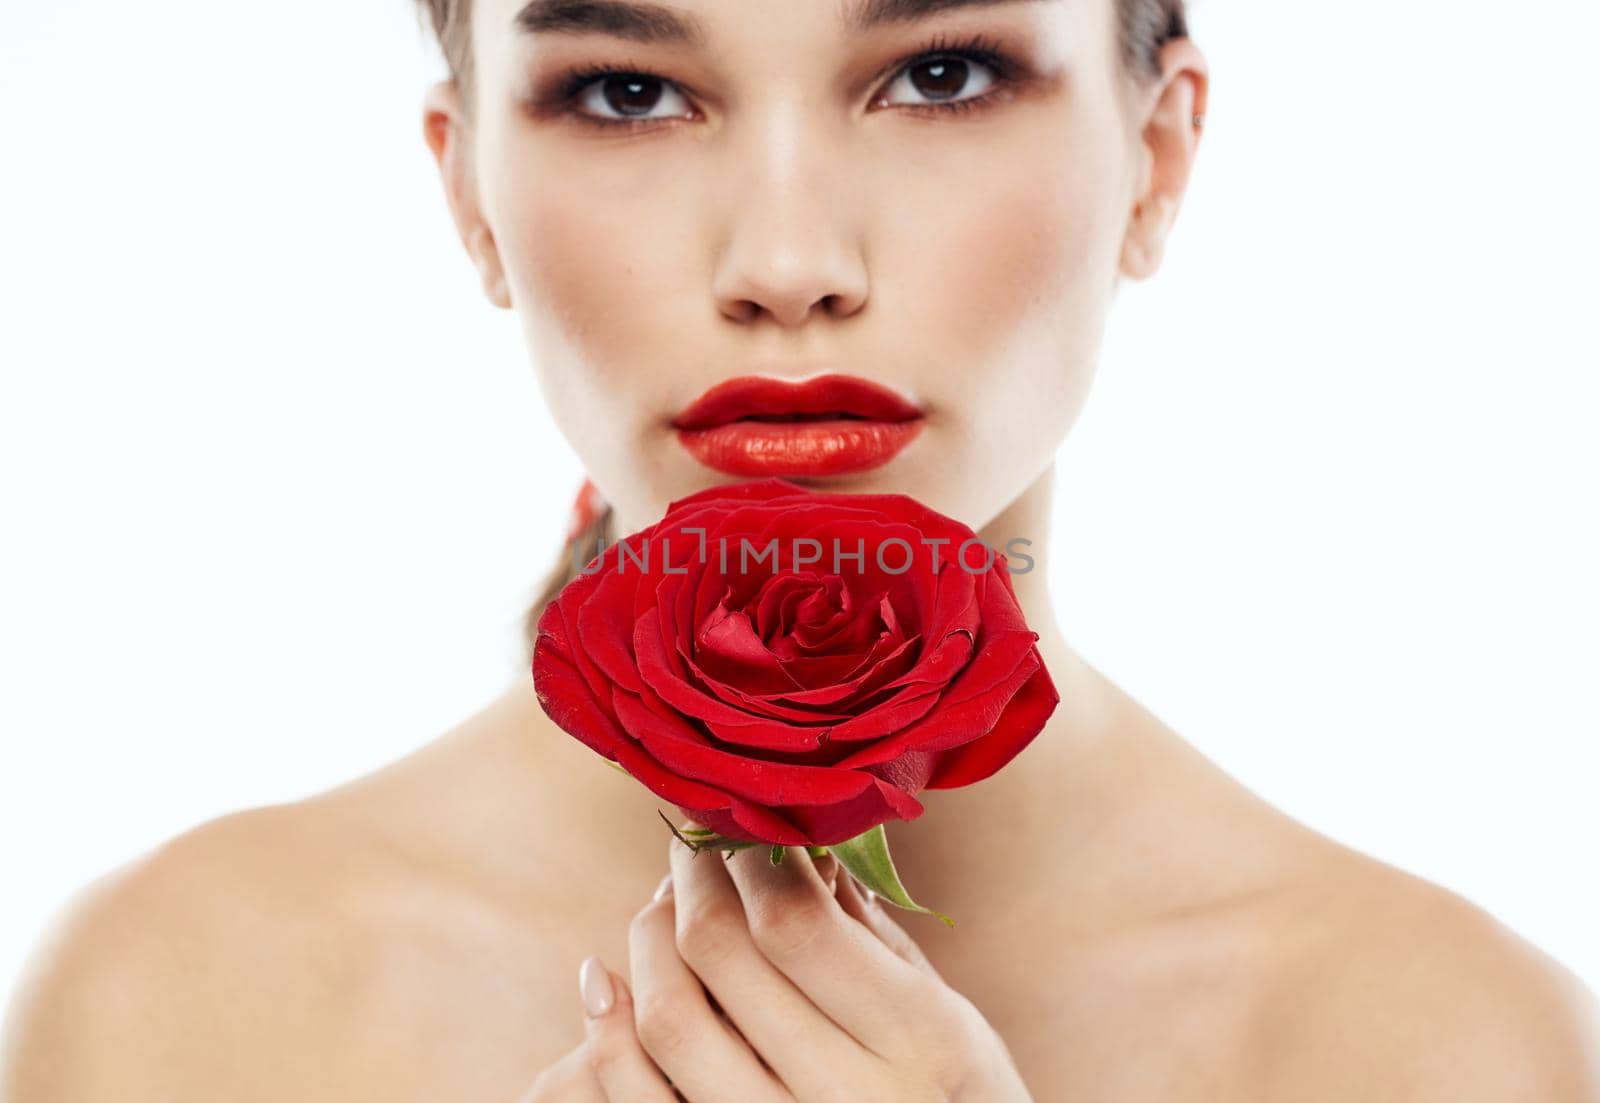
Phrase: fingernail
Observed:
(828, 869)
(594, 985)
(663, 888)
(872, 897)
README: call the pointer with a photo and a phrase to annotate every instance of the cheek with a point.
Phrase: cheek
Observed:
(1021, 256)
(1013, 283)
(1018, 277)
(598, 259)
(573, 273)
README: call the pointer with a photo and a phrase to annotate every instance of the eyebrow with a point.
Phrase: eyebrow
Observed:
(864, 15)
(629, 19)
(639, 21)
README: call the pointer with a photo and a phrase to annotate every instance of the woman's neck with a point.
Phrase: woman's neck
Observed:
(978, 839)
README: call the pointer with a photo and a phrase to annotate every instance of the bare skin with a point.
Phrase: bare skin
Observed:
(1132, 922)
(416, 934)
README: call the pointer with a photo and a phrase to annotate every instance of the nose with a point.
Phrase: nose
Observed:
(790, 252)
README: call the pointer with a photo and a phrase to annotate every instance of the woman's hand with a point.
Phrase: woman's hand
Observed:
(767, 984)
(609, 1064)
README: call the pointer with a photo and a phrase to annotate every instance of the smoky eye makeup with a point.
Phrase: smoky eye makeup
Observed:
(934, 79)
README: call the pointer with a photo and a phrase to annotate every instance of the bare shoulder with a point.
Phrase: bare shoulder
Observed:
(1392, 987)
(345, 946)
(154, 980)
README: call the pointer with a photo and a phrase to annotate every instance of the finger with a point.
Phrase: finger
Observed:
(841, 965)
(705, 1060)
(619, 1063)
(827, 868)
(569, 1080)
(852, 898)
(811, 1054)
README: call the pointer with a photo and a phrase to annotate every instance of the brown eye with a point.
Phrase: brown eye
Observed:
(941, 79)
(631, 96)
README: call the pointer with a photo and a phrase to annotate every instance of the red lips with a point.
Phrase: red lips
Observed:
(830, 425)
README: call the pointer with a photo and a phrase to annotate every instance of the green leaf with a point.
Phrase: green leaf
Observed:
(777, 854)
(816, 851)
(867, 858)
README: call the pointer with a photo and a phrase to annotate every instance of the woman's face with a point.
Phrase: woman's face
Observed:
(938, 200)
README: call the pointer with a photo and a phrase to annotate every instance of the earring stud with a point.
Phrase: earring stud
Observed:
(1199, 121)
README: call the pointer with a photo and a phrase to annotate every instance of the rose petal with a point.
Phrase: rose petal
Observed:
(720, 718)
(753, 490)
(569, 703)
(851, 676)
(731, 652)
(769, 783)
(557, 622)
(882, 720)
(602, 626)
(830, 824)
(909, 773)
(708, 806)
(1022, 721)
(743, 820)
(950, 724)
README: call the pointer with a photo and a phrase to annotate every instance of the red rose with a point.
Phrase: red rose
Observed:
(777, 699)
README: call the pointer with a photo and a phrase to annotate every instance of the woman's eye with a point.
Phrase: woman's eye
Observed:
(623, 96)
(935, 80)
(941, 80)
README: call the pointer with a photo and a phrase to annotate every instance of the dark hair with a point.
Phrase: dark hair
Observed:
(582, 546)
(1143, 27)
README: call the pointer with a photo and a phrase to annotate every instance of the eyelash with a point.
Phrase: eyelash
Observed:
(978, 48)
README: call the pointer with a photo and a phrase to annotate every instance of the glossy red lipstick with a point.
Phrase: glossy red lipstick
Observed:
(830, 425)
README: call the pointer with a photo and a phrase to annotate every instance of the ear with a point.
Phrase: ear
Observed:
(1170, 108)
(446, 130)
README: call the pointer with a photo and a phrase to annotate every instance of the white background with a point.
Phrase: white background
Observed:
(278, 484)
